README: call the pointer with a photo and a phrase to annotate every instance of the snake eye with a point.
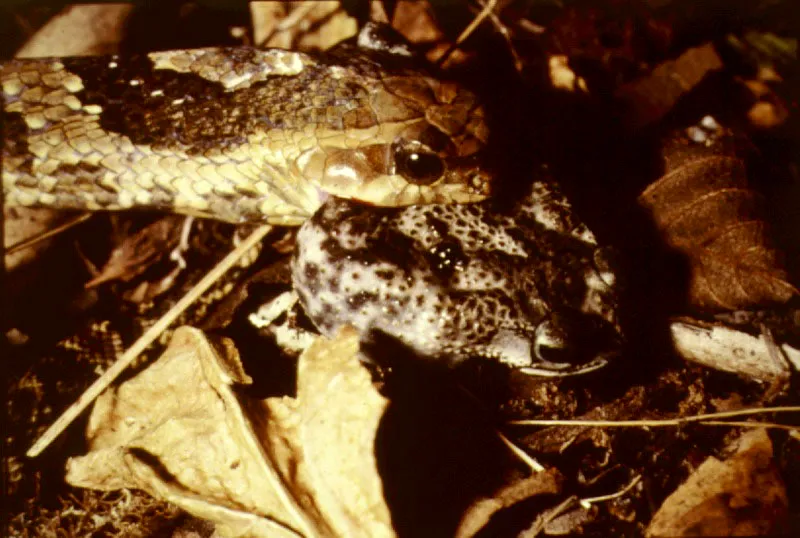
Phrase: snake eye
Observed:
(418, 166)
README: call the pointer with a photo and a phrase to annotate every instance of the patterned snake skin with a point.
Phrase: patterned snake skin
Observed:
(238, 134)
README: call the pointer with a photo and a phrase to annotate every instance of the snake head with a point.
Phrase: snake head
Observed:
(419, 141)
(401, 137)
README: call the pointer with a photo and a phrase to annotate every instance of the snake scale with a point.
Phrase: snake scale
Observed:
(278, 136)
(239, 134)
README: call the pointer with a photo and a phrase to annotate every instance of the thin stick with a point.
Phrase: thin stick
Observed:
(656, 423)
(145, 340)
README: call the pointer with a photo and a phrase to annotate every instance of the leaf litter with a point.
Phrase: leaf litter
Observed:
(746, 275)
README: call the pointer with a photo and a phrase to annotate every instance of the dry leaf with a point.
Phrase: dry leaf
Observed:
(478, 515)
(140, 251)
(323, 440)
(276, 467)
(302, 25)
(741, 496)
(78, 31)
(417, 22)
(564, 78)
(705, 209)
(650, 98)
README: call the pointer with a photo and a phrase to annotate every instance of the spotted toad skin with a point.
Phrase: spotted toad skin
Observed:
(529, 288)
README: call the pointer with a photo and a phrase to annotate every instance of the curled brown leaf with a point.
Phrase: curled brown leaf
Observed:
(705, 209)
(137, 252)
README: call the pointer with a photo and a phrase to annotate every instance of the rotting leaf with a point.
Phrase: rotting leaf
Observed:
(478, 516)
(706, 210)
(139, 251)
(651, 97)
(741, 496)
(278, 467)
(609, 43)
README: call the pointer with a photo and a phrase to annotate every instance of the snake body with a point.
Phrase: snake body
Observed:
(237, 134)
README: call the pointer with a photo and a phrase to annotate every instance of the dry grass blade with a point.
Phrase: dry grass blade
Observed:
(709, 418)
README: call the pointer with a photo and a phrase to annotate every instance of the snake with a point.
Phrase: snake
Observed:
(240, 134)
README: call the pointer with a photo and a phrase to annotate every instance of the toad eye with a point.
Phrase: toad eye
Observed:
(418, 166)
(551, 345)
